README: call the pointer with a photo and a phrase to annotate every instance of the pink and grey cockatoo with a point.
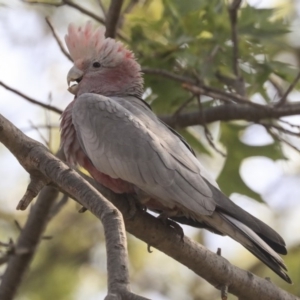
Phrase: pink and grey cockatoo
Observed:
(110, 131)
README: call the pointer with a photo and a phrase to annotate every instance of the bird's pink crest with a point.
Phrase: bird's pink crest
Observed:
(88, 43)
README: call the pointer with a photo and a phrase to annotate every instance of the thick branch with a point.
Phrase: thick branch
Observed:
(229, 113)
(112, 19)
(215, 269)
(210, 266)
(34, 156)
(28, 239)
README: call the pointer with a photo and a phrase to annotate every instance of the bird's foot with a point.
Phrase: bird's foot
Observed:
(82, 210)
(134, 206)
(165, 219)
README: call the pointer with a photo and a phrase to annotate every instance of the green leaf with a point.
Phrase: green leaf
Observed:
(230, 180)
(169, 94)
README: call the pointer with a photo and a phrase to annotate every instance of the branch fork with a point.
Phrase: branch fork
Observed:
(35, 186)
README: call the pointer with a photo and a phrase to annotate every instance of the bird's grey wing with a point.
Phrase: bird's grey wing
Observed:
(121, 145)
(172, 142)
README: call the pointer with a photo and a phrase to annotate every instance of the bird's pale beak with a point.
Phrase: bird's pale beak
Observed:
(74, 75)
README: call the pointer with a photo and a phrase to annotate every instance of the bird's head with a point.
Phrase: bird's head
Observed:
(101, 65)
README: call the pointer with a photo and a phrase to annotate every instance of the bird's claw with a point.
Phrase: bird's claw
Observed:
(149, 248)
(172, 224)
(82, 210)
(134, 206)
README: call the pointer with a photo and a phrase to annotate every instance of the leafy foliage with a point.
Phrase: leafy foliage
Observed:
(230, 180)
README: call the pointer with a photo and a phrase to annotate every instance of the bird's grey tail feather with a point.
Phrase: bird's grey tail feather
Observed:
(257, 247)
(265, 232)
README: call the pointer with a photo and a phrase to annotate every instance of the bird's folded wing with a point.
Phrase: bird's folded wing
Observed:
(123, 145)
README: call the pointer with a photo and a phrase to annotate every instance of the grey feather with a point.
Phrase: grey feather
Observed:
(124, 139)
(132, 134)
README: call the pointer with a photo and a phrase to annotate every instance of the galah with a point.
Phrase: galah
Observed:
(110, 131)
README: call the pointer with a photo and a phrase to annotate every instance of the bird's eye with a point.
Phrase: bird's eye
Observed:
(96, 64)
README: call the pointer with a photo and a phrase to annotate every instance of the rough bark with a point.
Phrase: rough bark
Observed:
(41, 164)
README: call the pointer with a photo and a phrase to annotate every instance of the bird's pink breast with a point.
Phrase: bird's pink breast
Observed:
(75, 155)
(117, 185)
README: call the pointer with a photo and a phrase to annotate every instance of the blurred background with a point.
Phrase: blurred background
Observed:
(260, 172)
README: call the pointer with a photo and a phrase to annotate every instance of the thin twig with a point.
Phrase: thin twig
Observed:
(79, 8)
(84, 11)
(279, 128)
(221, 95)
(168, 74)
(58, 4)
(36, 184)
(207, 133)
(288, 123)
(194, 85)
(233, 11)
(127, 10)
(209, 59)
(276, 85)
(50, 107)
(58, 40)
(238, 84)
(48, 122)
(183, 106)
(224, 288)
(279, 138)
(56, 208)
(39, 133)
(19, 227)
(102, 8)
(282, 101)
(6, 245)
(40, 126)
(71, 4)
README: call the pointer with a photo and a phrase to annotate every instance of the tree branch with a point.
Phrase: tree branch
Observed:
(213, 268)
(112, 19)
(229, 113)
(31, 100)
(35, 158)
(233, 11)
(102, 8)
(59, 42)
(197, 87)
(84, 11)
(79, 8)
(29, 239)
(221, 95)
(282, 101)
(71, 4)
